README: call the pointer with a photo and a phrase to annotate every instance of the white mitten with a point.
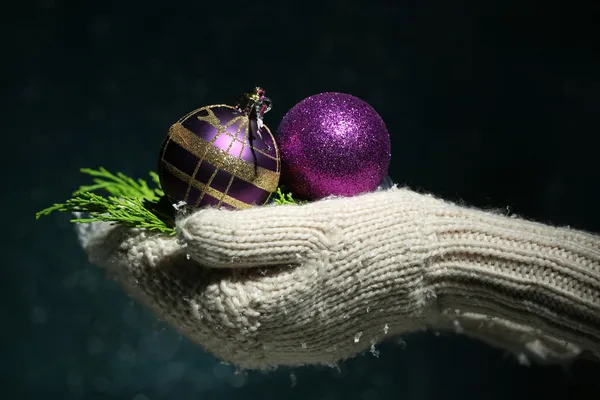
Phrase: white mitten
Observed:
(321, 282)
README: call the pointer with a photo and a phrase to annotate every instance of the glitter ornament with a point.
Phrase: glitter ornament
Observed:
(221, 156)
(333, 144)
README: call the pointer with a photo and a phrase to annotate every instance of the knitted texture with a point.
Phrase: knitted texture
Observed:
(318, 283)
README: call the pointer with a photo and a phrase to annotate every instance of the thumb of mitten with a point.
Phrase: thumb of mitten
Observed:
(263, 236)
(259, 237)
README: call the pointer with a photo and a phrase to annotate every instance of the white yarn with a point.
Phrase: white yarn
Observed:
(318, 283)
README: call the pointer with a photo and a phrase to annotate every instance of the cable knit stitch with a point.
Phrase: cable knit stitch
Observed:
(318, 283)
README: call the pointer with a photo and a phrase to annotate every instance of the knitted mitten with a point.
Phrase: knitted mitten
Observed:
(317, 283)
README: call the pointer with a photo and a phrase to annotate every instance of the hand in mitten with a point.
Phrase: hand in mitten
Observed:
(321, 282)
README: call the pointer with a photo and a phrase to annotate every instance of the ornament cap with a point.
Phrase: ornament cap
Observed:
(254, 104)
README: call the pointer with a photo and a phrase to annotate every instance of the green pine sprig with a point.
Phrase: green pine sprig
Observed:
(129, 202)
(122, 185)
(285, 198)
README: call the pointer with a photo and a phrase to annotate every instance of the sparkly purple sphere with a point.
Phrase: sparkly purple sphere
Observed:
(333, 144)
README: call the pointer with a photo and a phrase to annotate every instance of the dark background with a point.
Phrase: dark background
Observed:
(494, 103)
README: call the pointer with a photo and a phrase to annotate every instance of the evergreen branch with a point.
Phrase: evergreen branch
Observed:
(156, 179)
(286, 198)
(118, 185)
(130, 202)
(130, 211)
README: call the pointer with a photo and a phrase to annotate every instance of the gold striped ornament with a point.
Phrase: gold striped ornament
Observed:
(221, 156)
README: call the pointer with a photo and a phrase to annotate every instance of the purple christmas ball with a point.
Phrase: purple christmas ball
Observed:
(218, 156)
(333, 144)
